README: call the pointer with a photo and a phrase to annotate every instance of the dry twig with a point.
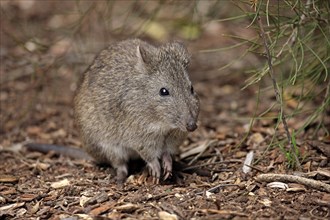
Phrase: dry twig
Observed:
(295, 179)
(215, 188)
(276, 90)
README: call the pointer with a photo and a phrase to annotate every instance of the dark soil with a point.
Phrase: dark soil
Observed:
(43, 55)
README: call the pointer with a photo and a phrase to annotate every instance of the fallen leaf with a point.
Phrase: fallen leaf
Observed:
(128, 208)
(2, 199)
(33, 130)
(9, 191)
(294, 187)
(307, 166)
(28, 197)
(42, 166)
(83, 200)
(96, 199)
(326, 197)
(319, 172)
(8, 179)
(60, 184)
(60, 133)
(42, 211)
(35, 208)
(248, 162)
(12, 206)
(101, 209)
(167, 216)
(84, 217)
(45, 136)
(266, 202)
(255, 139)
(240, 154)
(20, 212)
(323, 147)
(210, 195)
(115, 215)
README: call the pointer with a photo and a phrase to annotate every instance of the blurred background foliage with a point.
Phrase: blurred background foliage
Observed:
(299, 42)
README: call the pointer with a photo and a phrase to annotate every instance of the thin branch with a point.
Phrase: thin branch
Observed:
(292, 39)
(294, 179)
(276, 90)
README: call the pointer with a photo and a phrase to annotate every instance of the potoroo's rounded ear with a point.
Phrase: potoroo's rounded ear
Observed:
(178, 51)
(147, 57)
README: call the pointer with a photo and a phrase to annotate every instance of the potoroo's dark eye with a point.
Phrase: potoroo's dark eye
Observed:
(192, 89)
(164, 92)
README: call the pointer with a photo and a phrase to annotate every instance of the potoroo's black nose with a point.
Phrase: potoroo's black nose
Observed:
(191, 126)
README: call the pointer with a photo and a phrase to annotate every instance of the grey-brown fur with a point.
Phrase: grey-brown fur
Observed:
(121, 114)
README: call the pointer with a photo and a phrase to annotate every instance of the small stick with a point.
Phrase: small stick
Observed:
(276, 90)
(213, 189)
(295, 179)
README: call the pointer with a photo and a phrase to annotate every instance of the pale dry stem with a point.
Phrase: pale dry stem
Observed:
(276, 90)
(294, 179)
